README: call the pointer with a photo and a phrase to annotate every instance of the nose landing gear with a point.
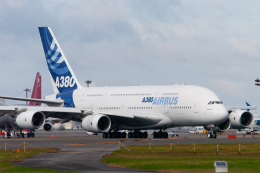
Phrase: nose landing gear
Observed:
(212, 134)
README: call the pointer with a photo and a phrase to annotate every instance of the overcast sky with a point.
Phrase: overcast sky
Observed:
(215, 44)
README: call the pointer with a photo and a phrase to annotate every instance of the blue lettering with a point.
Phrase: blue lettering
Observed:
(161, 101)
(158, 100)
(166, 101)
(171, 100)
(155, 101)
(176, 100)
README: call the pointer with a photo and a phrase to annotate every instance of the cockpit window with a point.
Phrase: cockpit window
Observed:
(215, 102)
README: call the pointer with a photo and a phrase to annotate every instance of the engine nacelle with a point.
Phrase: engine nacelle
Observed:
(96, 123)
(48, 127)
(219, 127)
(30, 120)
(225, 125)
(240, 119)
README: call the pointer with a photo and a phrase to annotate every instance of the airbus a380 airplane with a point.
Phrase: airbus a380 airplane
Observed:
(110, 109)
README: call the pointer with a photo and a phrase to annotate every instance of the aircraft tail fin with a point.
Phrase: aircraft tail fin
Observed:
(247, 104)
(37, 90)
(63, 78)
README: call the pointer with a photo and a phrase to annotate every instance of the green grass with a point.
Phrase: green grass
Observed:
(11, 156)
(183, 158)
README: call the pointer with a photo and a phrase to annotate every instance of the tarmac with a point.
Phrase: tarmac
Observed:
(82, 153)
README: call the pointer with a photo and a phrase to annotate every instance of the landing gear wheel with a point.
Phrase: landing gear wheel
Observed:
(210, 135)
(130, 134)
(214, 135)
(145, 135)
(165, 135)
(32, 135)
(155, 135)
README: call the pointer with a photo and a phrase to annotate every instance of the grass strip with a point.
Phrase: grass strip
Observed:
(182, 158)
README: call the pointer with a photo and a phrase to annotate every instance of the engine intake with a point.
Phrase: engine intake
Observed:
(48, 127)
(225, 125)
(240, 119)
(30, 120)
(96, 123)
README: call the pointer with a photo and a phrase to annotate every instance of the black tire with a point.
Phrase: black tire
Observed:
(155, 135)
(160, 134)
(165, 135)
(32, 135)
(28, 135)
(113, 134)
(130, 135)
(145, 135)
(135, 135)
(124, 135)
(140, 135)
(214, 135)
(118, 135)
(210, 135)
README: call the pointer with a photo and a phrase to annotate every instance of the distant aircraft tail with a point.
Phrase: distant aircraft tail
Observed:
(37, 90)
(63, 78)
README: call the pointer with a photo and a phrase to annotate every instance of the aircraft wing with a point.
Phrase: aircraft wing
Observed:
(57, 102)
(77, 114)
(232, 108)
(56, 112)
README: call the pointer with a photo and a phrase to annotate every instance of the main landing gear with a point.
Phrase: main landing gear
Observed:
(137, 135)
(114, 135)
(160, 134)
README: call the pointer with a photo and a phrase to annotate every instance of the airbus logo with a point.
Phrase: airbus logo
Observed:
(161, 100)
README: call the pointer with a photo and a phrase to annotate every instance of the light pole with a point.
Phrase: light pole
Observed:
(27, 90)
(88, 82)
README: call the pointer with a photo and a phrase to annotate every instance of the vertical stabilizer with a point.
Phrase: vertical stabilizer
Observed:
(37, 90)
(63, 78)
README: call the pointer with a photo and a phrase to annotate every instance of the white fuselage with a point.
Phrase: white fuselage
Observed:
(175, 105)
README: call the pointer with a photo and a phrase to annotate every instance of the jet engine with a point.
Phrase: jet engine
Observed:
(30, 120)
(96, 123)
(48, 127)
(219, 127)
(225, 125)
(240, 119)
